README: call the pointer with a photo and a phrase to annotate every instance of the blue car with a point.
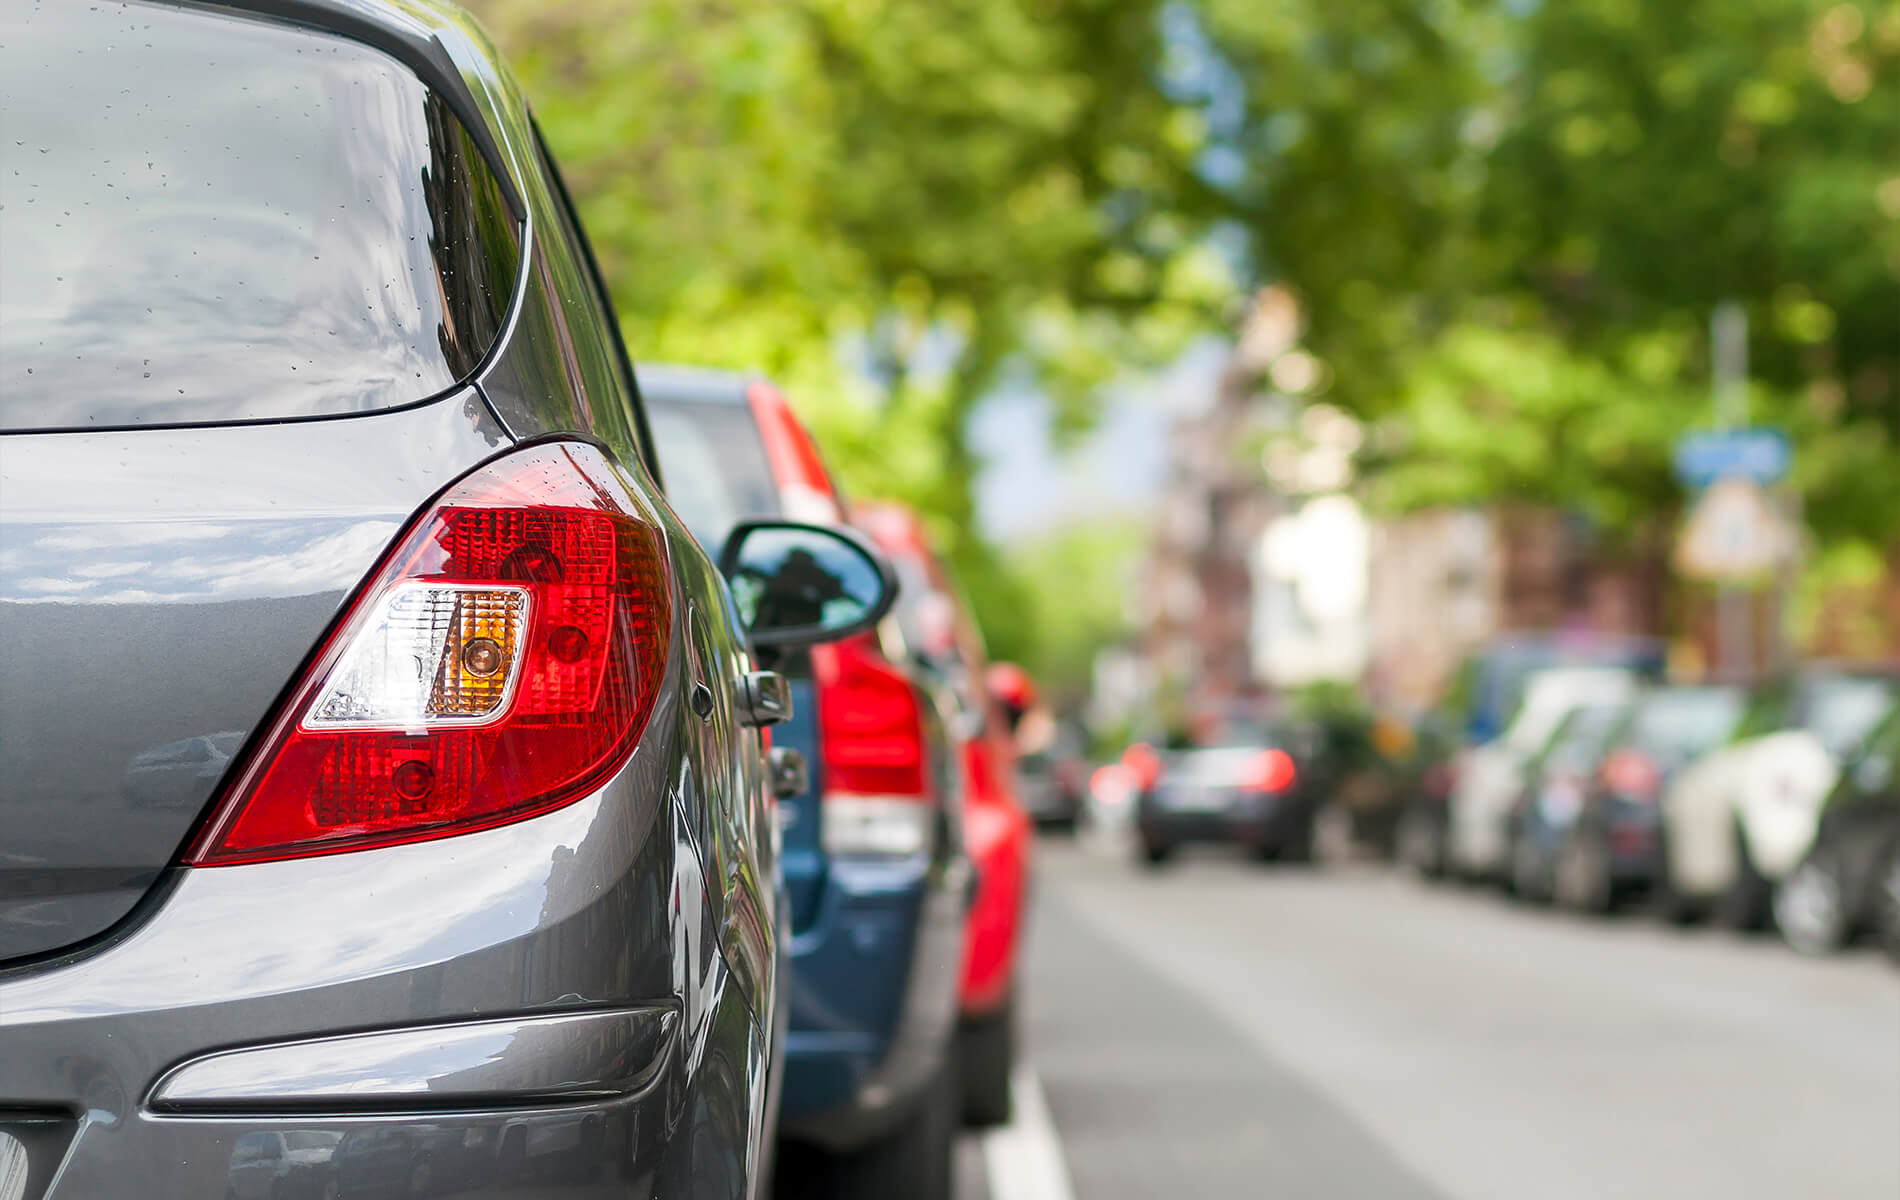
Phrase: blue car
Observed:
(873, 848)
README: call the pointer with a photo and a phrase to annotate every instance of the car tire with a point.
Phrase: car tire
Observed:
(1300, 847)
(1581, 881)
(915, 1161)
(1810, 905)
(1670, 903)
(1748, 902)
(1528, 881)
(986, 1053)
(1887, 903)
(1154, 854)
(1422, 845)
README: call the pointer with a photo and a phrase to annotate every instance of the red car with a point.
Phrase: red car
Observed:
(998, 834)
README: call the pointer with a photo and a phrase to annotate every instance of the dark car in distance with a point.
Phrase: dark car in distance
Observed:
(1613, 845)
(1256, 785)
(320, 458)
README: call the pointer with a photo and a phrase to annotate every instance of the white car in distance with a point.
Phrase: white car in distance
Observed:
(1742, 817)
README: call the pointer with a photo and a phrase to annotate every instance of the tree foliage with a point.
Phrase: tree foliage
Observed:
(1507, 222)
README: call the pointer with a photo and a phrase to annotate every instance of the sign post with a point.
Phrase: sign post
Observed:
(1736, 532)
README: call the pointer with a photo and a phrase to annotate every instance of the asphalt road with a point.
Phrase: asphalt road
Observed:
(1223, 1029)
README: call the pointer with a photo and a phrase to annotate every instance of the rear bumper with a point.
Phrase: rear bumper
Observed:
(428, 1018)
(873, 997)
(1247, 819)
(1635, 843)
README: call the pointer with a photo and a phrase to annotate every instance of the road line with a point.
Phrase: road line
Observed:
(1024, 1157)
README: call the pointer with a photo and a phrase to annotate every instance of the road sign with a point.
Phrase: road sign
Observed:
(1758, 454)
(1735, 532)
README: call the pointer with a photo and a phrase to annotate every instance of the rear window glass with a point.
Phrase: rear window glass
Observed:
(1684, 722)
(714, 465)
(207, 217)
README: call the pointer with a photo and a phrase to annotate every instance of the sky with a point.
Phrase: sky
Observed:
(1028, 488)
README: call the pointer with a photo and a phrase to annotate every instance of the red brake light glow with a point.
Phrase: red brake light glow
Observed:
(502, 663)
(1271, 771)
(870, 729)
(1630, 774)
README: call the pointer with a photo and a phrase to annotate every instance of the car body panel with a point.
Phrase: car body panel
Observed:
(657, 892)
(876, 944)
(942, 637)
(1771, 787)
(196, 575)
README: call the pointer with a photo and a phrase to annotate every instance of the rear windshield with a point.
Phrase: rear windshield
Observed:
(1843, 710)
(207, 217)
(1684, 722)
(714, 465)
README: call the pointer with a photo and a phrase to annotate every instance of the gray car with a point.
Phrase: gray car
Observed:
(382, 808)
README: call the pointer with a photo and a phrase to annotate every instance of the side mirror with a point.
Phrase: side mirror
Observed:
(1012, 689)
(799, 585)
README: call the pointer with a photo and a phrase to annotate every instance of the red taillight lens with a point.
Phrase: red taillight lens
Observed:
(870, 729)
(1143, 764)
(502, 663)
(1631, 775)
(1271, 771)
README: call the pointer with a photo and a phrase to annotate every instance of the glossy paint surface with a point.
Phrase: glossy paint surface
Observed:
(656, 894)
(159, 589)
(877, 945)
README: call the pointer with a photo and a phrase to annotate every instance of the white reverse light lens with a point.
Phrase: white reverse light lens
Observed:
(430, 654)
(882, 826)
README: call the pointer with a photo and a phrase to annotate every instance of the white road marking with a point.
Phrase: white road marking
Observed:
(1024, 1157)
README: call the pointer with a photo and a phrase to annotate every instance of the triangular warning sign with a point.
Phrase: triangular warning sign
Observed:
(1734, 532)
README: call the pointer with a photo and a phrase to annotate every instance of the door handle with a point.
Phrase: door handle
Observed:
(765, 698)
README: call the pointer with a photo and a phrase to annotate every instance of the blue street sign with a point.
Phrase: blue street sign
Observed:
(1758, 454)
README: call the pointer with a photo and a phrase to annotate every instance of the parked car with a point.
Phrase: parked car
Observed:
(1849, 880)
(1487, 692)
(319, 437)
(943, 640)
(1489, 778)
(1557, 781)
(1055, 778)
(1255, 784)
(1612, 847)
(1739, 820)
(873, 847)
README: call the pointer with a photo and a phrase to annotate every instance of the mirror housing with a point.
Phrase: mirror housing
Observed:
(798, 584)
(1012, 689)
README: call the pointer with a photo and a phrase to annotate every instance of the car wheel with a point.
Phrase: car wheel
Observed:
(986, 1052)
(1581, 880)
(1811, 904)
(1670, 903)
(1153, 854)
(1887, 903)
(1422, 845)
(1746, 904)
(915, 1161)
(1299, 848)
(1527, 872)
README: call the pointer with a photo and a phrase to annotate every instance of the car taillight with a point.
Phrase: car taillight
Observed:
(1270, 771)
(502, 662)
(1144, 764)
(1630, 774)
(877, 797)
